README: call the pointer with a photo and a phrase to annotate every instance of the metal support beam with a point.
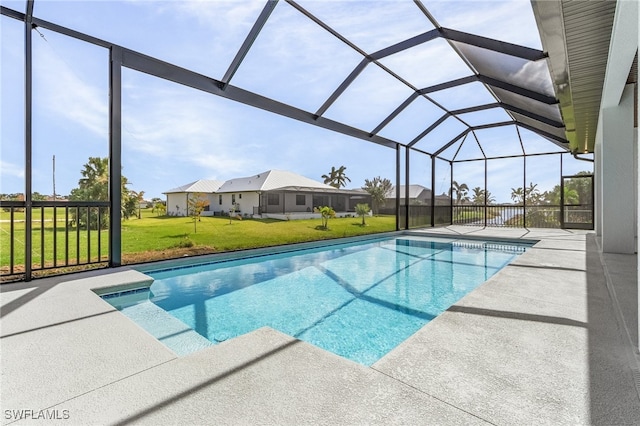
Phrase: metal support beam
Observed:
(115, 156)
(540, 97)
(406, 44)
(428, 130)
(451, 192)
(340, 90)
(475, 108)
(12, 13)
(533, 116)
(459, 147)
(398, 187)
(524, 191)
(508, 156)
(485, 192)
(395, 113)
(248, 42)
(406, 187)
(164, 70)
(449, 84)
(326, 27)
(561, 142)
(490, 81)
(562, 195)
(451, 142)
(475, 137)
(492, 44)
(433, 191)
(28, 141)
(492, 125)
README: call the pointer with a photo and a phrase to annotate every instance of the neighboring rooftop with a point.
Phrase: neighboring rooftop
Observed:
(414, 191)
(202, 185)
(270, 180)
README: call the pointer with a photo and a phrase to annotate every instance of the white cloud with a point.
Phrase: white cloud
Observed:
(60, 90)
(181, 127)
(228, 16)
(428, 64)
(371, 25)
(11, 170)
(510, 21)
(189, 135)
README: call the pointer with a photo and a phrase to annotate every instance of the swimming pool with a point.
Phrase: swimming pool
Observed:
(358, 300)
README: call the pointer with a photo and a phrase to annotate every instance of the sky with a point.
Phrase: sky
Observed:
(173, 135)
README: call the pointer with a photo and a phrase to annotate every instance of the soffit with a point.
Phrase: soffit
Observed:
(576, 35)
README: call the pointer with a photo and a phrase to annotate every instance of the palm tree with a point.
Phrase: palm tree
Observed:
(326, 212)
(517, 195)
(362, 210)
(478, 196)
(489, 198)
(571, 196)
(336, 177)
(95, 179)
(532, 194)
(378, 188)
(460, 190)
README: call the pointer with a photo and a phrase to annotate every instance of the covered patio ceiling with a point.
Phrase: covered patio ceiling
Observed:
(577, 35)
(452, 93)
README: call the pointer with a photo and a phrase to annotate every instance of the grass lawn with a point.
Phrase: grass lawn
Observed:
(143, 239)
(153, 238)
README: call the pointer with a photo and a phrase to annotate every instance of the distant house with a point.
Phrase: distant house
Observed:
(177, 198)
(418, 194)
(274, 193)
(282, 192)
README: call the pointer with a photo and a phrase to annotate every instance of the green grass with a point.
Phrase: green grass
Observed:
(37, 212)
(43, 254)
(223, 235)
(153, 237)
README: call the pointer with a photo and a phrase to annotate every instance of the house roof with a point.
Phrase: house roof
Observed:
(414, 191)
(271, 180)
(202, 185)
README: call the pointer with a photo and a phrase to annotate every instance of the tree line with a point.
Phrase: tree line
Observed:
(576, 191)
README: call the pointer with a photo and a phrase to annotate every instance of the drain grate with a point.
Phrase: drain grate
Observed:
(636, 376)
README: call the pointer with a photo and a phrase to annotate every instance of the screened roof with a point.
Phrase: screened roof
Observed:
(387, 72)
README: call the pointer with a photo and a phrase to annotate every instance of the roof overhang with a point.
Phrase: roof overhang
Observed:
(577, 35)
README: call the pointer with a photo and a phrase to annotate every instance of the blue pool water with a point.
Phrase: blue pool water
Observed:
(358, 300)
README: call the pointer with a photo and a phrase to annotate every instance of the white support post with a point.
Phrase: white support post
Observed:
(618, 200)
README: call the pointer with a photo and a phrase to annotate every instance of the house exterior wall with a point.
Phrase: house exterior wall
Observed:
(177, 204)
(222, 203)
(208, 210)
(219, 204)
(245, 201)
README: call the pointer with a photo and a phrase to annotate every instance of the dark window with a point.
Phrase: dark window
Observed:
(220, 199)
(301, 200)
(273, 199)
(240, 196)
(233, 198)
(320, 200)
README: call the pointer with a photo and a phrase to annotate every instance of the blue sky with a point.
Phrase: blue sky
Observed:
(173, 135)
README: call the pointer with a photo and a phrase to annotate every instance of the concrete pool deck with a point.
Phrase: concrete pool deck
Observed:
(547, 340)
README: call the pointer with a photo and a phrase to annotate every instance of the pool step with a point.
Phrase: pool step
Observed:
(173, 333)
